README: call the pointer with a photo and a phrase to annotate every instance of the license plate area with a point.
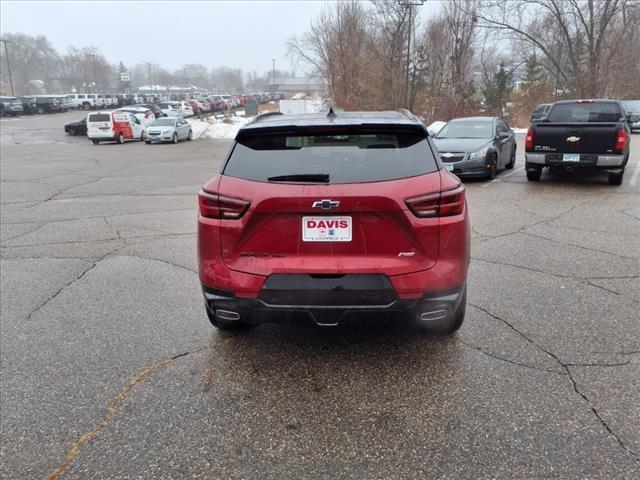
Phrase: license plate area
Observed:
(571, 157)
(326, 229)
(448, 166)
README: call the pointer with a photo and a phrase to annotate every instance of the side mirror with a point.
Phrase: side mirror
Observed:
(628, 118)
(503, 135)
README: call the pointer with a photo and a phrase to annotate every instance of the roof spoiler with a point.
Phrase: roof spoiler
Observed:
(266, 115)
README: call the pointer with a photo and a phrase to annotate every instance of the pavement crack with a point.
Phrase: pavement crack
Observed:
(507, 360)
(166, 262)
(60, 290)
(600, 418)
(596, 364)
(566, 367)
(560, 242)
(71, 282)
(557, 275)
(115, 403)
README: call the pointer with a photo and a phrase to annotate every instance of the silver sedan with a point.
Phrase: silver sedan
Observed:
(168, 129)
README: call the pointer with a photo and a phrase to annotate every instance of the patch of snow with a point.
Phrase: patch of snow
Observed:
(519, 130)
(216, 128)
(435, 127)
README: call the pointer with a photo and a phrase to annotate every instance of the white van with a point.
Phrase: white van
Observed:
(114, 126)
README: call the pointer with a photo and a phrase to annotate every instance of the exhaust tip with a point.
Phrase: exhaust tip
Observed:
(433, 315)
(227, 315)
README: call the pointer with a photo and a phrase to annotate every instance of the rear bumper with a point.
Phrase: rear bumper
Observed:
(430, 307)
(586, 160)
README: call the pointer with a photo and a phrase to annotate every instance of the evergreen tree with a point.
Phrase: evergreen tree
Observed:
(496, 90)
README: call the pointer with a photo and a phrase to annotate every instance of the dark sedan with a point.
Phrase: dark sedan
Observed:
(154, 107)
(476, 146)
(76, 128)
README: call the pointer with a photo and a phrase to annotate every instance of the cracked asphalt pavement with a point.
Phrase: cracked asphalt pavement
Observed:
(111, 370)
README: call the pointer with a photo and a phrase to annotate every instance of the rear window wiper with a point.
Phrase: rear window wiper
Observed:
(301, 177)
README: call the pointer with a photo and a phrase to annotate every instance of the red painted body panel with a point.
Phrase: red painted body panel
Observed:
(383, 228)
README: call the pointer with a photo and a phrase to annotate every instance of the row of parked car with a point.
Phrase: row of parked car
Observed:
(200, 102)
(136, 122)
(148, 113)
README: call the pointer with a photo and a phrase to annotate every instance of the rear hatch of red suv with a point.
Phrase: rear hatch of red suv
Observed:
(328, 200)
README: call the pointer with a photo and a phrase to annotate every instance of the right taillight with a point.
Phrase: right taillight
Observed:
(443, 204)
(621, 140)
(530, 139)
(213, 205)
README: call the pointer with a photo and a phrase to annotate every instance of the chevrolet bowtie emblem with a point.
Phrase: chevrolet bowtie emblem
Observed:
(326, 204)
(573, 139)
(446, 155)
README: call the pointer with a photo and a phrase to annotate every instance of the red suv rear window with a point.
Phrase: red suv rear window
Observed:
(344, 155)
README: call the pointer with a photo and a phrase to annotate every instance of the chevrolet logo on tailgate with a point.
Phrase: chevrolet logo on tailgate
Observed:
(326, 204)
(573, 139)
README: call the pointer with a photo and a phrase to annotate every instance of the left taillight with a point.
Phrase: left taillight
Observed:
(443, 204)
(530, 139)
(213, 205)
(621, 140)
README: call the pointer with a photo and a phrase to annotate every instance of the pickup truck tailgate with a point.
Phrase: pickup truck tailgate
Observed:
(575, 138)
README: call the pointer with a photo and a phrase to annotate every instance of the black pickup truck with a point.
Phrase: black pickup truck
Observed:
(579, 134)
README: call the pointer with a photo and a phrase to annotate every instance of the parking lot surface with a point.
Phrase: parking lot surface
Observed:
(110, 368)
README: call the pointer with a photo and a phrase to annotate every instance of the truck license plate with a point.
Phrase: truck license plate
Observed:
(571, 157)
(449, 166)
(326, 229)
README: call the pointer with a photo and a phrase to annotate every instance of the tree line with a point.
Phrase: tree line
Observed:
(37, 67)
(489, 56)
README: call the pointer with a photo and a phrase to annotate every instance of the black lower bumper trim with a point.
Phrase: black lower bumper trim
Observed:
(255, 310)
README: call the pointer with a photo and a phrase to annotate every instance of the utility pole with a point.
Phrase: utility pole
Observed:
(150, 77)
(6, 50)
(273, 78)
(155, 79)
(410, 6)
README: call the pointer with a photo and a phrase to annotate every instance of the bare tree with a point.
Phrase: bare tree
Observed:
(32, 59)
(391, 26)
(338, 46)
(578, 41)
(446, 51)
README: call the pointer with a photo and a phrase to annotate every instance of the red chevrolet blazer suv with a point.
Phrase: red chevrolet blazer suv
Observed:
(323, 218)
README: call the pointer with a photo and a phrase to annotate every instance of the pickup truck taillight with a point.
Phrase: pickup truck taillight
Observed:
(213, 205)
(443, 204)
(621, 140)
(530, 139)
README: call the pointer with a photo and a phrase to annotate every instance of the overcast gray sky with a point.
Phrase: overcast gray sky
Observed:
(242, 34)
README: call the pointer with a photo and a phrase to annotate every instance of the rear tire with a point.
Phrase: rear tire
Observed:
(40, 110)
(228, 325)
(534, 174)
(175, 138)
(616, 178)
(120, 139)
(148, 142)
(190, 136)
(95, 142)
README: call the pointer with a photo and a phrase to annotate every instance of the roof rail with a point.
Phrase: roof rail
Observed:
(265, 115)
